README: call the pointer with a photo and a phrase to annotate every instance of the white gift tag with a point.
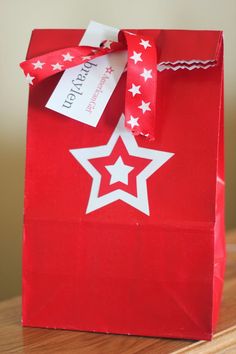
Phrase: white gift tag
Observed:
(84, 90)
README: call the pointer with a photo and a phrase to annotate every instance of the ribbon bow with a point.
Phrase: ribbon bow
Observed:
(140, 97)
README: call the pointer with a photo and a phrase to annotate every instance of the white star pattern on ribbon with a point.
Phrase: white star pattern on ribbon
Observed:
(29, 79)
(107, 44)
(136, 57)
(133, 122)
(135, 90)
(87, 57)
(56, 66)
(146, 74)
(67, 57)
(145, 106)
(140, 200)
(145, 44)
(38, 65)
(119, 171)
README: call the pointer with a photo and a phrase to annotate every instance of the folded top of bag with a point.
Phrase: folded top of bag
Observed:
(177, 49)
(186, 49)
(189, 49)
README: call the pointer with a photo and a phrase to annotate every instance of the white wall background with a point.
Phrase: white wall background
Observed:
(18, 18)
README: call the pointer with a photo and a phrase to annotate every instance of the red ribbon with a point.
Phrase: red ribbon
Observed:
(140, 99)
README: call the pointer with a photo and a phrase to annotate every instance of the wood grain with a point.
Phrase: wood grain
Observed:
(15, 339)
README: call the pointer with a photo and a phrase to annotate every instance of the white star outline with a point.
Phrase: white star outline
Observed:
(158, 158)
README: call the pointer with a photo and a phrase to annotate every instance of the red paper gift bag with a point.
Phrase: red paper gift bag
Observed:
(123, 234)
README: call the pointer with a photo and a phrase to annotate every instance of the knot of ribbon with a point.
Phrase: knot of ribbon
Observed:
(140, 95)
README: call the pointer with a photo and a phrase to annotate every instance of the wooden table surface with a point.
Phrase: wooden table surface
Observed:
(15, 339)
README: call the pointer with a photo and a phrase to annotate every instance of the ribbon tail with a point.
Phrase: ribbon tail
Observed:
(141, 85)
(46, 65)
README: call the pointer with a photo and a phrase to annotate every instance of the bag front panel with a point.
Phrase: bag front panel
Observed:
(118, 268)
